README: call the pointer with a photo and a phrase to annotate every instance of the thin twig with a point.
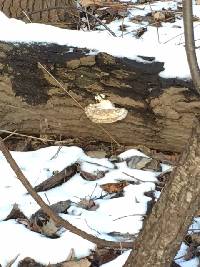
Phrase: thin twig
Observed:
(47, 199)
(90, 197)
(97, 19)
(56, 154)
(137, 178)
(29, 136)
(88, 23)
(11, 134)
(10, 263)
(26, 16)
(129, 216)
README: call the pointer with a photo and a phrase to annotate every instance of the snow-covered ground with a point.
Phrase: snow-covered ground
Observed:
(112, 215)
(16, 239)
(170, 35)
(38, 166)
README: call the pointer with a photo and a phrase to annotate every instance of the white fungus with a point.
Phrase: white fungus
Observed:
(104, 111)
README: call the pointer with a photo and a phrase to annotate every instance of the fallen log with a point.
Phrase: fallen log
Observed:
(160, 111)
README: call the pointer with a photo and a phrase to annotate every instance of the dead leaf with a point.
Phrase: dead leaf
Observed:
(86, 3)
(45, 225)
(87, 204)
(29, 262)
(159, 16)
(91, 176)
(15, 213)
(140, 32)
(143, 163)
(102, 256)
(114, 187)
(80, 263)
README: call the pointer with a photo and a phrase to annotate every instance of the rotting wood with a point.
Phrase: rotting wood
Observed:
(160, 112)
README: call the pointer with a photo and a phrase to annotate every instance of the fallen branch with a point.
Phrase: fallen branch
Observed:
(56, 218)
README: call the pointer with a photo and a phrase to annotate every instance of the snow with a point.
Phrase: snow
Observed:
(13, 30)
(112, 214)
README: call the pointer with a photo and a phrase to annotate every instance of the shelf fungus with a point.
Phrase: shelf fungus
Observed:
(104, 111)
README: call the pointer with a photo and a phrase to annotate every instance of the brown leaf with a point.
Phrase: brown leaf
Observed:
(29, 262)
(57, 178)
(80, 263)
(15, 213)
(102, 256)
(44, 225)
(114, 187)
(92, 177)
(87, 204)
(158, 16)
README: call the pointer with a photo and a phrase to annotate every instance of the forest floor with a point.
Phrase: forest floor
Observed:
(108, 196)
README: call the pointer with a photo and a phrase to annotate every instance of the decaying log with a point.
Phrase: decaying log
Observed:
(160, 112)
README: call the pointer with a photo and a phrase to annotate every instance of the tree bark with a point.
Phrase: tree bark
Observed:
(160, 112)
(57, 12)
(171, 216)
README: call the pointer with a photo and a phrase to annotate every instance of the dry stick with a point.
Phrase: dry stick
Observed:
(11, 134)
(88, 23)
(10, 263)
(55, 217)
(131, 215)
(26, 16)
(80, 8)
(138, 180)
(29, 136)
(100, 22)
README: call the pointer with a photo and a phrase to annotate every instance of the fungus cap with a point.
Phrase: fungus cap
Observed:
(105, 112)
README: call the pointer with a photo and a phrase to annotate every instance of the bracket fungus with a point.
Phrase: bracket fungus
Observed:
(104, 111)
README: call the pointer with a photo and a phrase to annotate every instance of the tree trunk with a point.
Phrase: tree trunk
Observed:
(57, 12)
(171, 216)
(160, 112)
(190, 43)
